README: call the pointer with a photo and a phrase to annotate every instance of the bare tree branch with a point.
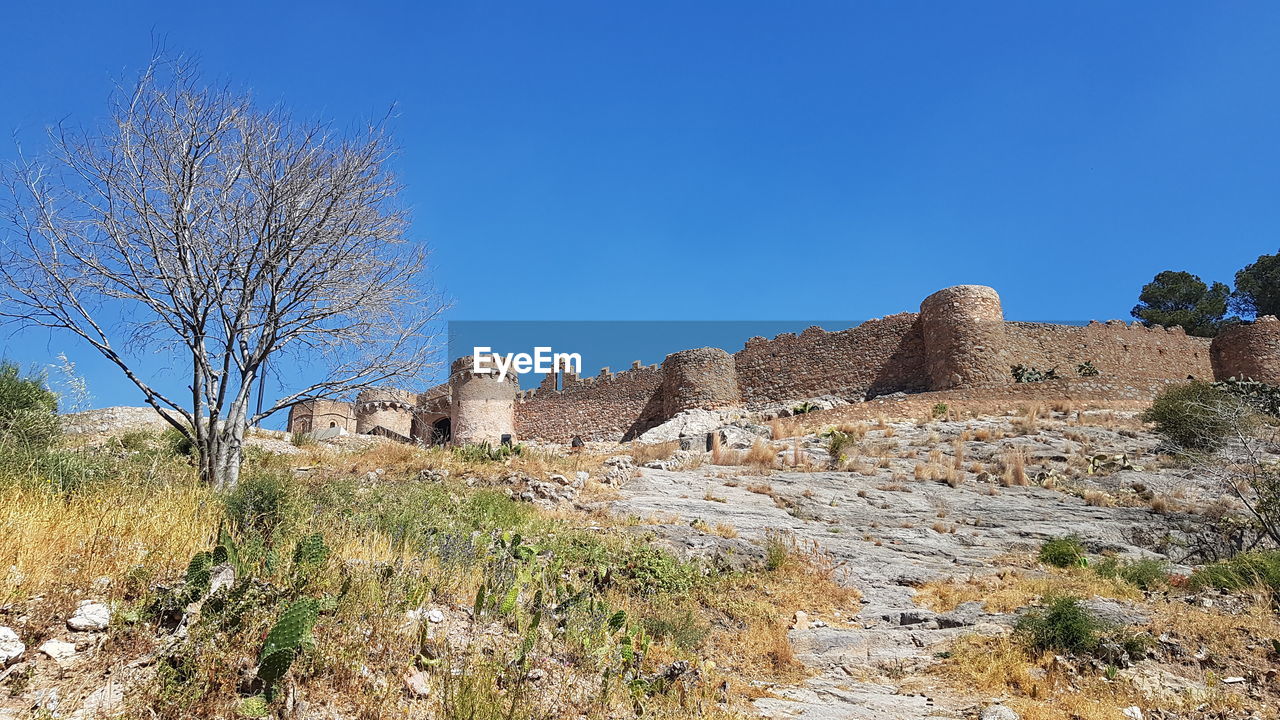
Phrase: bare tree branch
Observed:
(197, 223)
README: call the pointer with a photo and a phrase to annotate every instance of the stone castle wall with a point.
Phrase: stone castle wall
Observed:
(877, 357)
(1249, 351)
(482, 406)
(1116, 348)
(964, 337)
(387, 408)
(701, 378)
(608, 406)
(958, 341)
(322, 414)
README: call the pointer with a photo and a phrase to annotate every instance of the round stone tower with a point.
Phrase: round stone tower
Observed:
(1248, 351)
(702, 378)
(387, 408)
(482, 408)
(964, 338)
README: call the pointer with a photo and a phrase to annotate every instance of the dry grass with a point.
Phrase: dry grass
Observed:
(1014, 467)
(725, 530)
(1097, 498)
(52, 543)
(1009, 591)
(757, 610)
(781, 428)
(1043, 690)
(762, 454)
(659, 451)
(957, 453)
(1028, 420)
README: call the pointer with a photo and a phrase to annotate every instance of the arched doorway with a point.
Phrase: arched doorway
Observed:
(441, 431)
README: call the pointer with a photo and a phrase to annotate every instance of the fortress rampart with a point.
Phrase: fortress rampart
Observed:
(482, 406)
(958, 341)
(1249, 352)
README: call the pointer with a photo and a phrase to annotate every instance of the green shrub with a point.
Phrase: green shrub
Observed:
(1086, 369)
(1242, 572)
(804, 408)
(838, 442)
(1063, 552)
(652, 570)
(1258, 395)
(28, 411)
(261, 504)
(176, 443)
(777, 549)
(939, 409)
(1061, 624)
(1144, 574)
(1196, 416)
(60, 470)
(136, 440)
(680, 625)
(484, 452)
(1026, 374)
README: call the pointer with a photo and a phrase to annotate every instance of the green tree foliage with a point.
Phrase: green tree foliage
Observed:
(1258, 287)
(1180, 298)
(28, 411)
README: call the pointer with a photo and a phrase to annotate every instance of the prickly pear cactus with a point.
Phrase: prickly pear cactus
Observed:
(311, 550)
(285, 640)
(198, 574)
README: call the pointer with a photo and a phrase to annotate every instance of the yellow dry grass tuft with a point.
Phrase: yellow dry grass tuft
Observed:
(761, 454)
(642, 453)
(1014, 462)
(51, 542)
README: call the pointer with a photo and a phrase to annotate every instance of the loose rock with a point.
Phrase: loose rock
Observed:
(999, 712)
(11, 648)
(90, 616)
(58, 649)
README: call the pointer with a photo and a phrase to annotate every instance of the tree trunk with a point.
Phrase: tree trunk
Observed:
(221, 454)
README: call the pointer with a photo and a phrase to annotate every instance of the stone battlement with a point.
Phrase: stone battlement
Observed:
(959, 339)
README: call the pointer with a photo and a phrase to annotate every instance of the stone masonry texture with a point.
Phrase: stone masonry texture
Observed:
(958, 340)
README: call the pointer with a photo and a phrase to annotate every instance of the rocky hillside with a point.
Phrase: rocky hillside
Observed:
(1045, 562)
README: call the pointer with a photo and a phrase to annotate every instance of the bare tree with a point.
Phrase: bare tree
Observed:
(196, 223)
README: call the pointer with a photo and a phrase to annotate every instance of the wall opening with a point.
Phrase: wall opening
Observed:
(441, 431)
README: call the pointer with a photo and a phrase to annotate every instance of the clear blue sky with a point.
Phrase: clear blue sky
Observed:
(746, 160)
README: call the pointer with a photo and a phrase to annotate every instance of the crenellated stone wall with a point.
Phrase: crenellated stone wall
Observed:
(958, 341)
(482, 407)
(390, 409)
(608, 406)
